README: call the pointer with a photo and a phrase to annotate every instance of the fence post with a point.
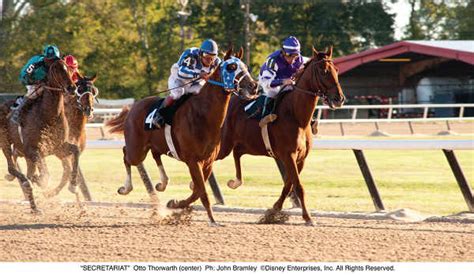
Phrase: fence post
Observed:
(411, 128)
(369, 180)
(460, 178)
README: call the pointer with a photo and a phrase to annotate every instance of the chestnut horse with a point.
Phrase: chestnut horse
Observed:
(78, 107)
(195, 131)
(43, 131)
(290, 135)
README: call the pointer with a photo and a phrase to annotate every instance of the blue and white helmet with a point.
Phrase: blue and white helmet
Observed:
(209, 46)
(51, 52)
(291, 45)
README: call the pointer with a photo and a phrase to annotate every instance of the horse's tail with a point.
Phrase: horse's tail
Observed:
(117, 124)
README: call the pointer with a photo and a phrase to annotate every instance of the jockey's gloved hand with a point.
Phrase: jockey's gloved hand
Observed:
(204, 75)
(288, 82)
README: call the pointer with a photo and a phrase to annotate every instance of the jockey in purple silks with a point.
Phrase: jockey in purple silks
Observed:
(277, 73)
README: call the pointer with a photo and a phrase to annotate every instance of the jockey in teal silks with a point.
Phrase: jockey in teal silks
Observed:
(32, 75)
(194, 64)
(277, 73)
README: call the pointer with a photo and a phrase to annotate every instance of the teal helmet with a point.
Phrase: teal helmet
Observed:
(51, 51)
(209, 46)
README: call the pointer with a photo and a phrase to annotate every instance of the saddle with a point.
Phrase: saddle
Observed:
(254, 108)
(167, 113)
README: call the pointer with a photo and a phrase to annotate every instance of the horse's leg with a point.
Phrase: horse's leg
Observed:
(293, 197)
(291, 170)
(11, 177)
(127, 186)
(24, 182)
(73, 150)
(43, 178)
(83, 185)
(147, 182)
(195, 169)
(64, 179)
(235, 183)
(161, 187)
(207, 170)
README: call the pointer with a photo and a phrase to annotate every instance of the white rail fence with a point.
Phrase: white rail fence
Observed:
(108, 113)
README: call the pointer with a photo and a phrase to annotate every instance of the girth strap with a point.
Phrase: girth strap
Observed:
(169, 141)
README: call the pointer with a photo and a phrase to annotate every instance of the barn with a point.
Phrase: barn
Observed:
(409, 72)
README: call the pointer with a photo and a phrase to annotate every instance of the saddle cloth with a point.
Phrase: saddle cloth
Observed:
(167, 113)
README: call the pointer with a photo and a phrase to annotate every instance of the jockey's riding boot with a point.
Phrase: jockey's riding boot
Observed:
(267, 113)
(16, 110)
(159, 120)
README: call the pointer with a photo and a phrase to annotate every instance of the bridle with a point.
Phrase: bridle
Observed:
(91, 91)
(227, 88)
(321, 90)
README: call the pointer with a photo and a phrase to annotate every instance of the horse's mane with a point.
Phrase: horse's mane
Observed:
(299, 73)
(54, 73)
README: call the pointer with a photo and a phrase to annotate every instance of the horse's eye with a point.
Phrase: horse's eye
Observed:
(231, 67)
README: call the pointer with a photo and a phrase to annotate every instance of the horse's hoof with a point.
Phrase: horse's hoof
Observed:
(191, 185)
(36, 211)
(72, 189)
(9, 177)
(215, 224)
(160, 187)
(172, 204)
(309, 223)
(234, 184)
(50, 194)
(123, 191)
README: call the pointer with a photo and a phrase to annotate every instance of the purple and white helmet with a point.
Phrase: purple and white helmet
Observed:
(291, 45)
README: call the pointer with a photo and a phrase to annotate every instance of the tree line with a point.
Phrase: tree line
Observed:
(132, 44)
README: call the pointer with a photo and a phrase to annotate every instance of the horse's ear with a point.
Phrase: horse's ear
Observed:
(329, 52)
(80, 75)
(240, 54)
(93, 78)
(315, 52)
(229, 52)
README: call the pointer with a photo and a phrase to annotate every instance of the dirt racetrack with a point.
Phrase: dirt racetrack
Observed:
(130, 234)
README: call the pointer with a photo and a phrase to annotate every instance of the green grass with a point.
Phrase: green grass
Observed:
(419, 180)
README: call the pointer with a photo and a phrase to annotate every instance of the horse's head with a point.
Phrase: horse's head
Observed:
(86, 93)
(323, 78)
(60, 78)
(236, 76)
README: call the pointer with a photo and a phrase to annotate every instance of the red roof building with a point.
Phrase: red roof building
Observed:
(405, 72)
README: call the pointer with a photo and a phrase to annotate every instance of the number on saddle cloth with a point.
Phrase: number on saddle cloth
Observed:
(167, 113)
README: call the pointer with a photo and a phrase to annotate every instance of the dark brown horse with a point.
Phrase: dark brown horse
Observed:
(195, 131)
(43, 131)
(79, 108)
(290, 135)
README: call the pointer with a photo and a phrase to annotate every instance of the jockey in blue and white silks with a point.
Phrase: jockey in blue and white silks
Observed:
(194, 64)
(278, 71)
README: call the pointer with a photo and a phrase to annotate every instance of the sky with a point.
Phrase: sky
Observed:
(402, 10)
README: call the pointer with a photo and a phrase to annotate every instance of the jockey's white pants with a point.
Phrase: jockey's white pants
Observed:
(175, 81)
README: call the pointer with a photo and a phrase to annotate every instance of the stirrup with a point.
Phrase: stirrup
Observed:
(267, 119)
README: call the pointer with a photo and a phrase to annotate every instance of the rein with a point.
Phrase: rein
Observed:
(319, 91)
(163, 91)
